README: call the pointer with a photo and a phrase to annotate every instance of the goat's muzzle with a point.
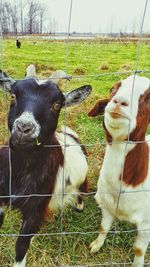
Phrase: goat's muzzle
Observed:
(117, 109)
(25, 132)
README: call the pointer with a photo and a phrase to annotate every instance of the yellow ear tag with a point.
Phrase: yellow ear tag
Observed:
(38, 143)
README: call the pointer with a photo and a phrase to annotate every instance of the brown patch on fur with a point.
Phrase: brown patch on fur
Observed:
(136, 162)
(107, 134)
(114, 89)
(143, 118)
(84, 187)
(136, 165)
(48, 213)
(138, 251)
(98, 108)
(56, 159)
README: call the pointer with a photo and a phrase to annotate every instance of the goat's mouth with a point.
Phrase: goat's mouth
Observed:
(117, 115)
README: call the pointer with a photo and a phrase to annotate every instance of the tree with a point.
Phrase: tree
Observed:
(33, 11)
(5, 20)
(42, 13)
(22, 7)
(14, 17)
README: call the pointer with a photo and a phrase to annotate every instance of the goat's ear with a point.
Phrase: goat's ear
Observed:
(30, 71)
(5, 81)
(77, 96)
(58, 75)
(98, 108)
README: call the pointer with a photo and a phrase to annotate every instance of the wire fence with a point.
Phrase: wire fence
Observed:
(62, 232)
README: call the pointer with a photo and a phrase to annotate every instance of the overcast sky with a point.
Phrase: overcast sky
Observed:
(100, 15)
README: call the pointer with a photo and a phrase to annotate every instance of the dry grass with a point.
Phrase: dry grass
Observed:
(104, 66)
(79, 71)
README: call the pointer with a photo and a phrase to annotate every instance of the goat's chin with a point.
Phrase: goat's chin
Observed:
(116, 124)
(117, 128)
(20, 145)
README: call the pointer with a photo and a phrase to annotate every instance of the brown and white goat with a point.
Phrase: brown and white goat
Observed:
(48, 168)
(123, 189)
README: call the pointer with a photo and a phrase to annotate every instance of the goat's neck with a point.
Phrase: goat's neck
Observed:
(131, 161)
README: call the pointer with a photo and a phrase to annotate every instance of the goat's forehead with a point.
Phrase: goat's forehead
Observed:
(33, 86)
(133, 85)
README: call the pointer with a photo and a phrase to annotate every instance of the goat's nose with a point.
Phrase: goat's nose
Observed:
(121, 101)
(24, 129)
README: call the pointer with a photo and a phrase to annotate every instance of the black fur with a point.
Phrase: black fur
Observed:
(18, 43)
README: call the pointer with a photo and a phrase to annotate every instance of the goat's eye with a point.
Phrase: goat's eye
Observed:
(124, 104)
(13, 97)
(56, 106)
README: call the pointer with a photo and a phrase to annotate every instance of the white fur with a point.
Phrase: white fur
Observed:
(30, 71)
(20, 264)
(80, 206)
(133, 206)
(75, 167)
(25, 118)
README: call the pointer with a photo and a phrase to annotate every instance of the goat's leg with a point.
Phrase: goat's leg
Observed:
(82, 189)
(140, 245)
(30, 226)
(106, 223)
(1, 213)
(80, 203)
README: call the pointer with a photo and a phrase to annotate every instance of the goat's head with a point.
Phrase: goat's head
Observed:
(127, 110)
(35, 109)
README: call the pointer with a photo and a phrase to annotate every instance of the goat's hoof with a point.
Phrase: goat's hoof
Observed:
(94, 246)
(79, 206)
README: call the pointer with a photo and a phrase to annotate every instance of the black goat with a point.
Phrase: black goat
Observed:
(43, 176)
(18, 43)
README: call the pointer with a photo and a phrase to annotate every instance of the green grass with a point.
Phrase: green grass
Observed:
(89, 58)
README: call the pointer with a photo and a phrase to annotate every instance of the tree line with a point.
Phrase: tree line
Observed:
(25, 17)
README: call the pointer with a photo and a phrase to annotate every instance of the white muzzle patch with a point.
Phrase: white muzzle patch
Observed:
(25, 118)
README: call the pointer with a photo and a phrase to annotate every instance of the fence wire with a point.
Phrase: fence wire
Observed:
(62, 233)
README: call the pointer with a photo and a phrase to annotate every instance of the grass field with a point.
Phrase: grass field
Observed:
(86, 59)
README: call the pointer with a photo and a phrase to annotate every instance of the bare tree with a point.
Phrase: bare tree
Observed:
(25, 16)
(22, 6)
(5, 18)
(13, 11)
(53, 25)
(33, 11)
(134, 25)
(9, 17)
(42, 14)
